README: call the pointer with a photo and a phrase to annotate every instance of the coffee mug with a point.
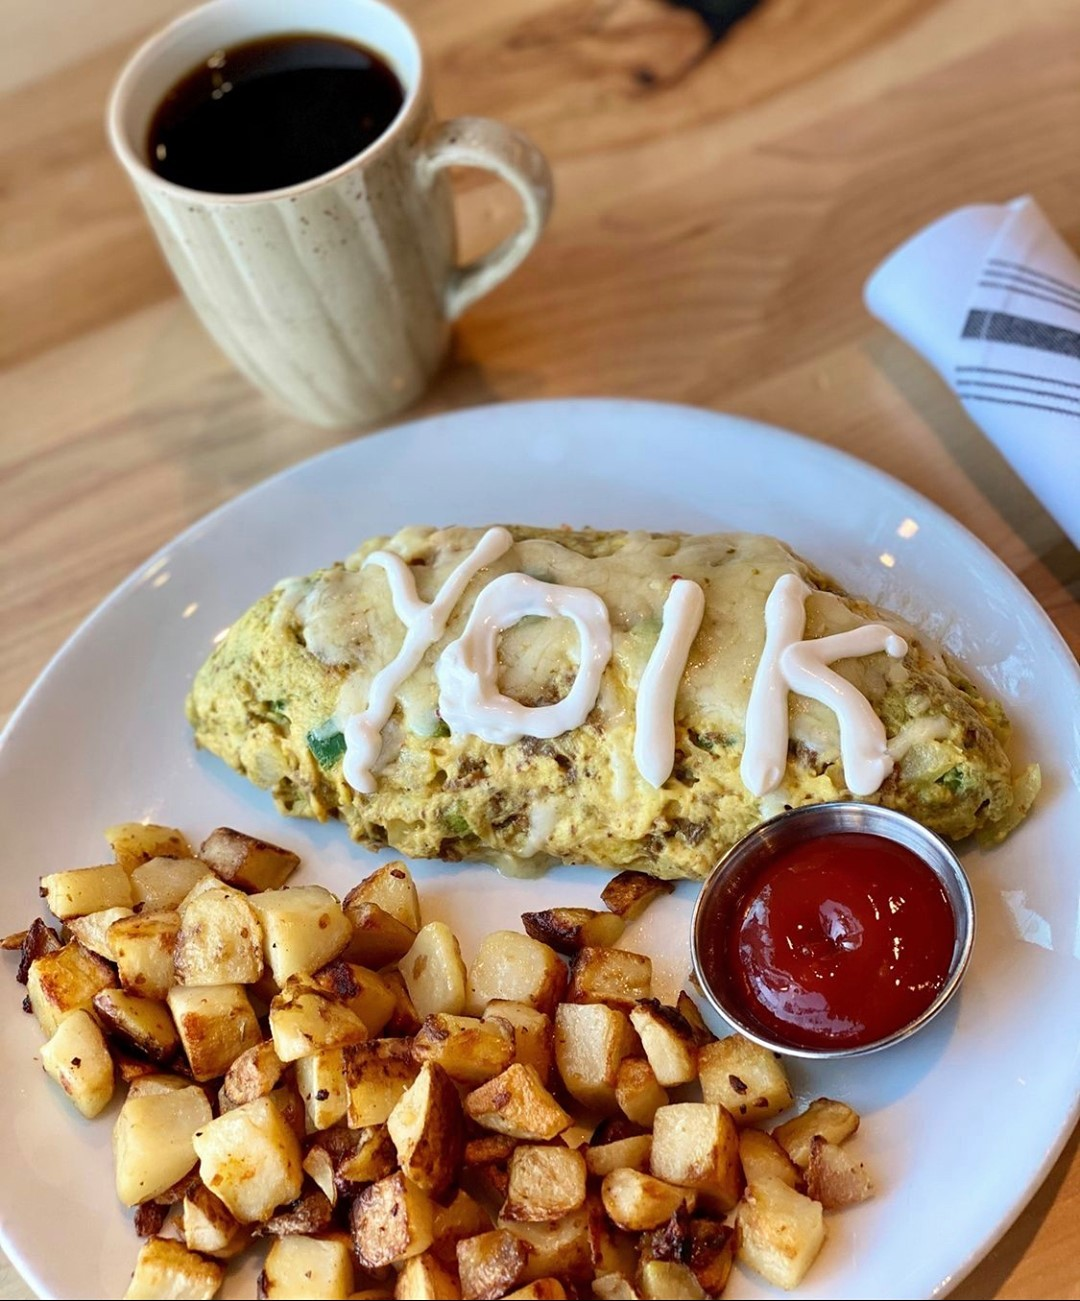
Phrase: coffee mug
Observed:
(334, 295)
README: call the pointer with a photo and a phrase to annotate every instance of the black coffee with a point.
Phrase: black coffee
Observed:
(271, 113)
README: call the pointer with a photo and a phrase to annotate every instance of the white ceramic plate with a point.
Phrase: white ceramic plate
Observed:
(960, 1124)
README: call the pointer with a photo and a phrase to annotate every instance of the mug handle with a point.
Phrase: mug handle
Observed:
(480, 142)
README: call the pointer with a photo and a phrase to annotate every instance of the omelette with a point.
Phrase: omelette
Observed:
(275, 697)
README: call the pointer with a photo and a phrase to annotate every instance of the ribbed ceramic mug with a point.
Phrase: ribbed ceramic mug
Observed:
(335, 295)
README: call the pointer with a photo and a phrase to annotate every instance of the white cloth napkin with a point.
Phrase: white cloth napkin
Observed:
(990, 295)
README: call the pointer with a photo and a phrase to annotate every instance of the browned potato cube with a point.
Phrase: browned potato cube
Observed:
(143, 1023)
(691, 1014)
(668, 1042)
(86, 890)
(92, 930)
(630, 893)
(463, 1217)
(249, 864)
(707, 1246)
(78, 1060)
(319, 1166)
(133, 843)
(323, 1086)
(153, 1138)
(361, 991)
(637, 1201)
(373, 1158)
(544, 1289)
(631, 1153)
(516, 1103)
(220, 940)
(490, 1264)
(561, 1247)
(614, 976)
(612, 1250)
(667, 1280)
(833, 1178)
(591, 1040)
(492, 1147)
(207, 1223)
(404, 1019)
(216, 1024)
(250, 1158)
(377, 1073)
(299, 1267)
(546, 1183)
(762, 1157)
(377, 939)
(64, 982)
(166, 1268)
(434, 971)
(392, 889)
(637, 1091)
(391, 1220)
(468, 1049)
(305, 1021)
(567, 930)
(513, 966)
(162, 884)
(143, 948)
(750, 1081)
(614, 1287)
(534, 1035)
(780, 1232)
(696, 1145)
(834, 1121)
(428, 1129)
(310, 1213)
(253, 1074)
(303, 929)
(426, 1278)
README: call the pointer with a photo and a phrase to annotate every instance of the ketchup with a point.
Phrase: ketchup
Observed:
(835, 942)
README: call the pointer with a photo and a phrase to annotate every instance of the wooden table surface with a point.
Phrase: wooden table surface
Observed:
(719, 207)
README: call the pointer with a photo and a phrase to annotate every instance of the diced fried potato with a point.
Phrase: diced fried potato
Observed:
(64, 982)
(544, 1289)
(747, 1079)
(834, 1178)
(591, 1040)
(377, 1073)
(833, 1120)
(637, 1092)
(630, 893)
(611, 1250)
(319, 1166)
(130, 1067)
(614, 1287)
(286, 1097)
(709, 1250)
(143, 948)
(762, 1157)
(86, 890)
(207, 1223)
(426, 1278)
(133, 843)
(668, 1042)
(434, 971)
(490, 1148)
(250, 1158)
(377, 939)
(490, 1264)
(162, 884)
(534, 1034)
(92, 930)
(696, 1145)
(320, 1078)
(462, 1217)
(220, 940)
(623, 1154)
(303, 929)
(153, 1138)
(165, 1268)
(305, 1021)
(614, 976)
(513, 966)
(561, 1247)
(516, 1103)
(299, 1267)
(667, 1280)
(310, 1213)
(78, 1060)
(546, 1183)
(157, 1081)
(691, 1014)
(373, 1158)
(391, 1221)
(392, 889)
(216, 1024)
(253, 1074)
(428, 1130)
(578, 1134)
(567, 930)
(143, 1023)
(361, 991)
(468, 1049)
(404, 1020)
(32, 944)
(637, 1201)
(780, 1232)
(248, 863)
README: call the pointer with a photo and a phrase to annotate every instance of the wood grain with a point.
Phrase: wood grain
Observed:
(718, 211)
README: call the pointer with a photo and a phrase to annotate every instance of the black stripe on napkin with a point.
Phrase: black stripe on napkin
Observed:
(1016, 388)
(1018, 374)
(1034, 273)
(1053, 297)
(1014, 402)
(1021, 331)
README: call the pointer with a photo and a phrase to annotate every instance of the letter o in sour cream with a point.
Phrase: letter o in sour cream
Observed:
(470, 701)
